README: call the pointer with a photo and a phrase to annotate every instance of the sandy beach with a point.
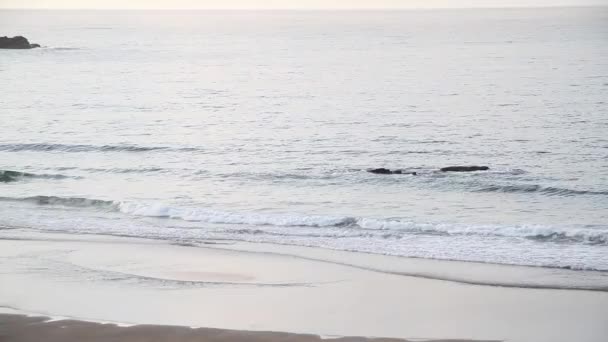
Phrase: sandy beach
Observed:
(303, 170)
(251, 287)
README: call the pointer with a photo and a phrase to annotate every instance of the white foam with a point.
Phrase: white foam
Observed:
(585, 235)
(218, 216)
(597, 235)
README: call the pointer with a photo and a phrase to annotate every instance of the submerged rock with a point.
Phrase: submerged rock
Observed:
(464, 168)
(18, 42)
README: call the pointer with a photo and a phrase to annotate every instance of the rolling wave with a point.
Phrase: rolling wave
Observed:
(7, 176)
(126, 170)
(535, 188)
(45, 147)
(387, 228)
(80, 202)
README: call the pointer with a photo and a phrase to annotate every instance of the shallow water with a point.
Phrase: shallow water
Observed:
(258, 126)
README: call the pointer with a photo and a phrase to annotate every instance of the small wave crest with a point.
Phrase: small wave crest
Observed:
(61, 48)
(126, 170)
(535, 188)
(64, 201)
(7, 176)
(45, 147)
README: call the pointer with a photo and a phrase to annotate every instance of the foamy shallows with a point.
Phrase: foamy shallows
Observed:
(251, 128)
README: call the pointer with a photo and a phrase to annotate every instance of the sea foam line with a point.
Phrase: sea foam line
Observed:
(395, 228)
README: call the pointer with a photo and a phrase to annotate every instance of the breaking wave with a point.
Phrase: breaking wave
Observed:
(393, 228)
(588, 235)
(226, 217)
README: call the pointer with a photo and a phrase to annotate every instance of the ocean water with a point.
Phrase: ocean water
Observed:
(197, 126)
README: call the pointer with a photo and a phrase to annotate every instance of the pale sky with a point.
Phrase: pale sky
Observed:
(286, 4)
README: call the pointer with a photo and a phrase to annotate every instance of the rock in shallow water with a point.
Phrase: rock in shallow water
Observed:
(464, 168)
(18, 42)
(383, 171)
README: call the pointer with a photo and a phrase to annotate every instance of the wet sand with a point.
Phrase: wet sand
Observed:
(19, 328)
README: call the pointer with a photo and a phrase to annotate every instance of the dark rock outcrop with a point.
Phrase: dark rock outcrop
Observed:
(18, 42)
(464, 168)
(383, 171)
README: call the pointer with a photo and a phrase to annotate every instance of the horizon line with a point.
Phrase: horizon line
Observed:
(299, 8)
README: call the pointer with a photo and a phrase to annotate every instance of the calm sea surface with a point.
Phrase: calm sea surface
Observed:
(259, 126)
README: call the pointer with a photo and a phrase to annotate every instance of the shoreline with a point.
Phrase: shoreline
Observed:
(300, 290)
(591, 280)
(456, 271)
